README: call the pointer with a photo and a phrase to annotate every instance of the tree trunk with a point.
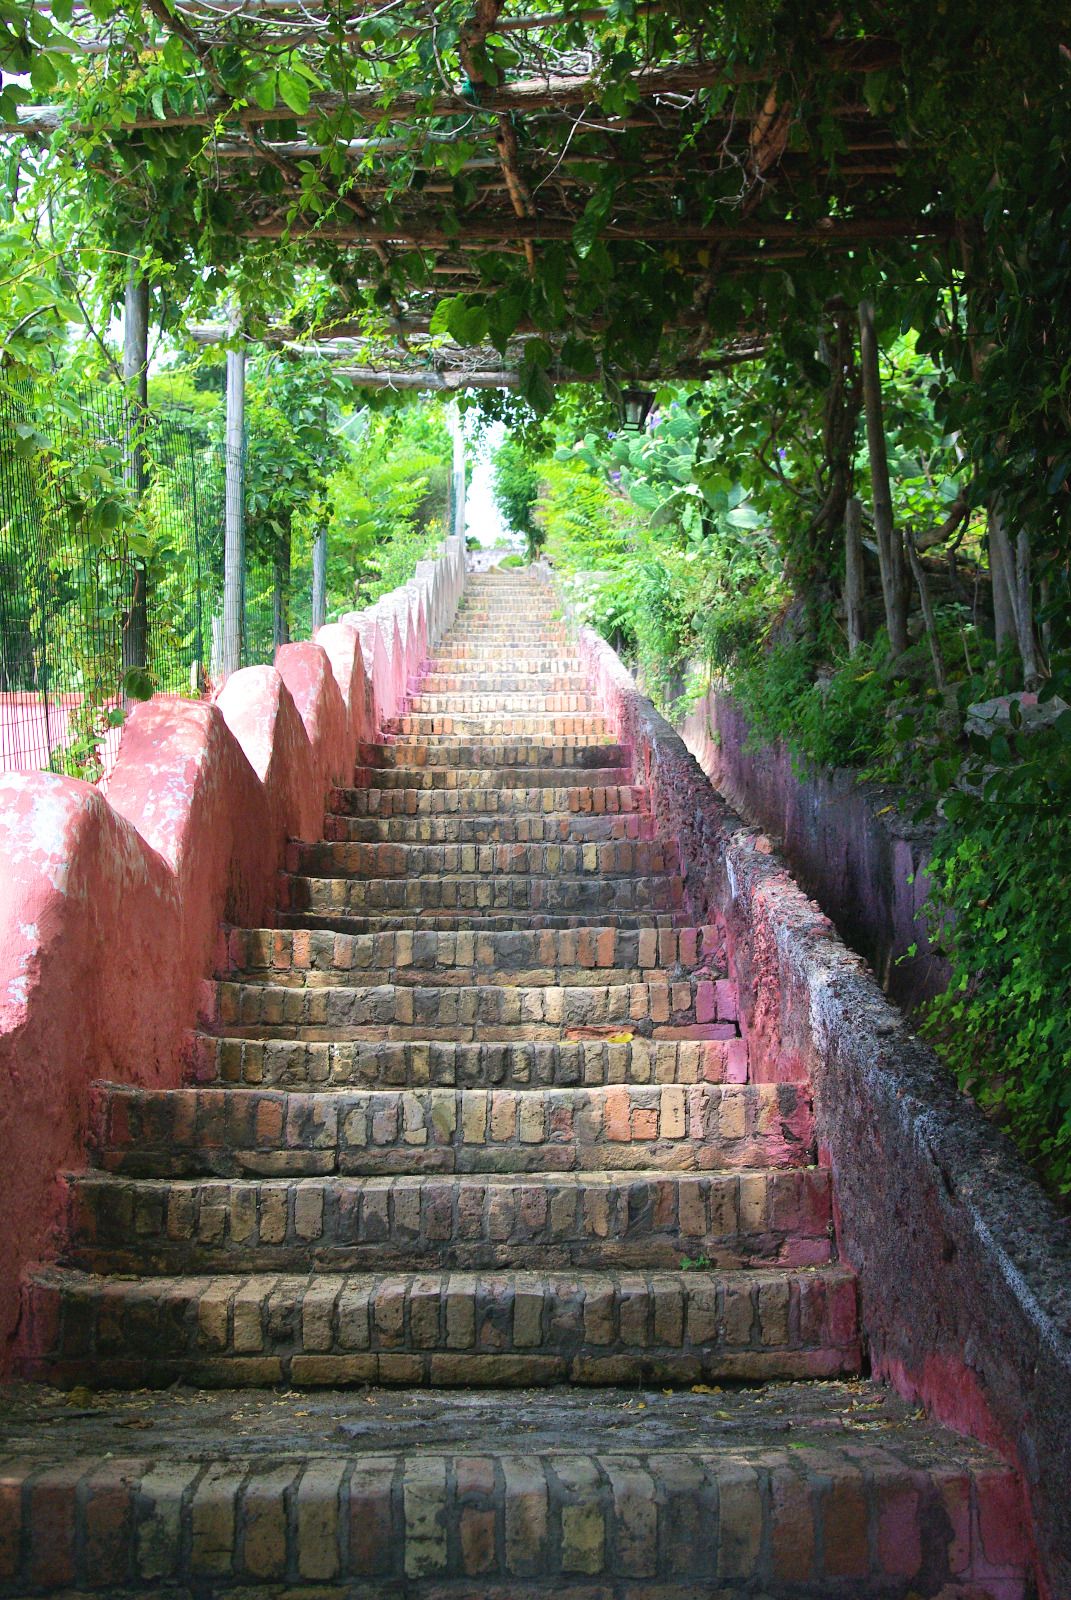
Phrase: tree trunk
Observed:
(853, 573)
(890, 546)
(1024, 612)
(234, 513)
(928, 617)
(135, 639)
(1002, 577)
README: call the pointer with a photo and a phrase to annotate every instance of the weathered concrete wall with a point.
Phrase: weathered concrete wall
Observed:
(849, 844)
(110, 907)
(964, 1265)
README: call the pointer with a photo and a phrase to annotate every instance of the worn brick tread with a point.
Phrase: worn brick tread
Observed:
(590, 897)
(578, 752)
(688, 1127)
(596, 800)
(607, 859)
(415, 1219)
(295, 1063)
(527, 776)
(592, 1495)
(508, 1328)
(315, 956)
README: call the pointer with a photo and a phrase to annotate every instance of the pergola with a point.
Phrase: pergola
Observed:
(613, 156)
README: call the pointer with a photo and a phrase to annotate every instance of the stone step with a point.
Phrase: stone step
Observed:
(582, 1494)
(575, 798)
(513, 682)
(586, 955)
(471, 658)
(595, 898)
(494, 828)
(492, 725)
(687, 1008)
(484, 920)
(404, 1063)
(158, 1133)
(531, 754)
(519, 740)
(527, 778)
(509, 1328)
(615, 858)
(643, 1218)
(467, 702)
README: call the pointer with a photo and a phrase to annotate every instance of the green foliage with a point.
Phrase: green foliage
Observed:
(389, 502)
(1001, 880)
(516, 484)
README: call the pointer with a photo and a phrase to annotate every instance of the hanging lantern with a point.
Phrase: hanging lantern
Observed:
(635, 408)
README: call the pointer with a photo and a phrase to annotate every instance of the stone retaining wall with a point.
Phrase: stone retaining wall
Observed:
(850, 844)
(964, 1265)
(110, 906)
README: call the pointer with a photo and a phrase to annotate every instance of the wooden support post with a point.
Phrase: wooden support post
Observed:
(458, 480)
(890, 550)
(854, 595)
(136, 374)
(319, 579)
(234, 514)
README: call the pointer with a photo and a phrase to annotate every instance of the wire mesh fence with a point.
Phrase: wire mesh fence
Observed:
(85, 553)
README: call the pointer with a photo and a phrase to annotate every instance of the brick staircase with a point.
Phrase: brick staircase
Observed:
(477, 1113)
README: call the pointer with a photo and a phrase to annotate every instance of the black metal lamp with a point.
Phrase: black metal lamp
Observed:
(635, 408)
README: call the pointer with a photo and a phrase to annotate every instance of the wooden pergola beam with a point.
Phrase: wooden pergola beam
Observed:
(552, 92)
(831, 230)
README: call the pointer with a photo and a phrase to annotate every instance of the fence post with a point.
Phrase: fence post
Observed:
(135, 635)
(234, 510)
(319, 579)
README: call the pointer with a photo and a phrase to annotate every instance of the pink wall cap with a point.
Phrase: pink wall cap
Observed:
(169, 748)
(249, 701)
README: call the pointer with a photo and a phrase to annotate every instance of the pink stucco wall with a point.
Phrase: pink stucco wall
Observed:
(110, 906)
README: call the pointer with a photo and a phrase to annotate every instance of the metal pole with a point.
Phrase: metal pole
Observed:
(234, 512)
(136, 374)
(319, 579)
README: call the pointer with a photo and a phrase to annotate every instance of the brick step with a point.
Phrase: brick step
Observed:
(574, 798)
(644, 1218)
(516, 682)
(615, 858)
(470, 701)
(404, 1063)
(685, 1009)
(491, 725)
(506, 638)
(484, 920)
(527, 778)
(532, 754)
(521, 742)
(588, 955)
(461, 658)
(594, 897)
(579, 1494)
(494, 828)
(510, 1328)
(159, 1133)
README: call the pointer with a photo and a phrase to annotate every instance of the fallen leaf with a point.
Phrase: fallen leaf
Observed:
(706, 1388)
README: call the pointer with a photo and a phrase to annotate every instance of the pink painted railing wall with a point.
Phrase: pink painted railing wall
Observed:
(110, 905)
